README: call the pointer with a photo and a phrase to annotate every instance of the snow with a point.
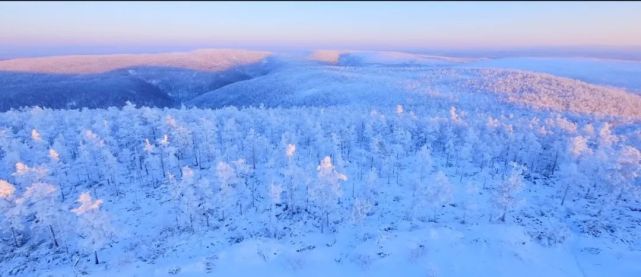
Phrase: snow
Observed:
(350, 163)
(487, 251)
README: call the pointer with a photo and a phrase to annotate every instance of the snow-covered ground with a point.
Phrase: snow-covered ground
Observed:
(340, 163)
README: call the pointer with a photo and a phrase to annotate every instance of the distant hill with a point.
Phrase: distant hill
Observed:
(97, 81)
(218, 78)
(349, 85)
(210, 60)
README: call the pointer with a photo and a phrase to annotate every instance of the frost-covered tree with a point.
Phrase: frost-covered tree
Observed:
(424, 160)
(246, 194)
(94, 225)
(6, 189)
(507, 192)
(37, 146)
(360, 210)
(326, 192)
(275, 193)
(168, 159)
(206, 198)
(58, 170)
(579, 146)
(431, 196)
(471, 203)
(26, 175)
(12, 211)
(606, 137)
(185, 196)
(226, 195)
(41, 198)
(569, 176)
(371, 188)
(292, 177)
(94, 152)
(153, 165)
(627, 172)
(10, 149)
(193, 194)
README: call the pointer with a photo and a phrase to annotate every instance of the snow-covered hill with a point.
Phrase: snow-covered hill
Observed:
(214, 60)
(618, 73)
(158, 80)
(413, 85)
(363, 58)
(216, 78)
(338, 163)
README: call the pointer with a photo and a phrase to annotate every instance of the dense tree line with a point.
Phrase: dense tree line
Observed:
(288, 170)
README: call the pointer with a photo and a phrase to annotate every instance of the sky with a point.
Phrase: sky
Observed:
(38, 28)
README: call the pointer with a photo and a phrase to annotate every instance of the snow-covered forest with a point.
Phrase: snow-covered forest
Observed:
(316, 139)
(98, 190)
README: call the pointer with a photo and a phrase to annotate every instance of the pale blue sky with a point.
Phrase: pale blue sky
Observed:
(382, 25)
